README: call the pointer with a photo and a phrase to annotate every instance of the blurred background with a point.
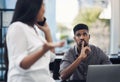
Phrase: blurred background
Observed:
(102, 17)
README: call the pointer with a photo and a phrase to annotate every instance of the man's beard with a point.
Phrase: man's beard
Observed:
(80, 43)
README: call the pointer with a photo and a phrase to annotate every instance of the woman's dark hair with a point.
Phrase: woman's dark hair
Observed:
(26, 11)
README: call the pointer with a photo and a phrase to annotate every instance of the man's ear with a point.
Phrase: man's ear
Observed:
(74, 38)
(89, 36)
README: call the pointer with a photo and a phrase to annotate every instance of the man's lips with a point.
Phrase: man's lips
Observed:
(85, 43)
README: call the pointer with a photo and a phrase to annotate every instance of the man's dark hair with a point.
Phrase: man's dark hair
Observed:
(26, 11)
(80, 27)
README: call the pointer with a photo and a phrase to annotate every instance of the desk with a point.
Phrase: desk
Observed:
(71, 81)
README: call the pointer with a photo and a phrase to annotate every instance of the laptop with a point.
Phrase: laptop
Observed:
(103, 73)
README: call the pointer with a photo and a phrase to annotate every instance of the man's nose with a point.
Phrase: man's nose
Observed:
(81, 37)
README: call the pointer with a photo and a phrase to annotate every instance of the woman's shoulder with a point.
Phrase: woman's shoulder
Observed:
(17, 26)
(17, 23)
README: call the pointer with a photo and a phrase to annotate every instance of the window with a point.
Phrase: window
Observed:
(89, 12)
(5, 18)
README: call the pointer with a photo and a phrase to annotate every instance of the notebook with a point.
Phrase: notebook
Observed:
(103, 73)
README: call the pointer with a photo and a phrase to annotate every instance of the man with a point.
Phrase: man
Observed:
(75, 62)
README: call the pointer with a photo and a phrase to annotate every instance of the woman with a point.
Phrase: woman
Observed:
(29, 53)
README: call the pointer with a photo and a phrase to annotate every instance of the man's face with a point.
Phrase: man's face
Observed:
(80, 36)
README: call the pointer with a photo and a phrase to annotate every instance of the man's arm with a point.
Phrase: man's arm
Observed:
(67, 72)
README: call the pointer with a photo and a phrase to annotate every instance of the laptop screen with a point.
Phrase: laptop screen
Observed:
(103, 73)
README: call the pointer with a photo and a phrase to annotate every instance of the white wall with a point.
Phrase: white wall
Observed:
(51, 16)
(115, 27)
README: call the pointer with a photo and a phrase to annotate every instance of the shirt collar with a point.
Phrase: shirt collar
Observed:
(76, 51)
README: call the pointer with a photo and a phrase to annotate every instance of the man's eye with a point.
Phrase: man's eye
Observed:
(85, 34)
(78, 35)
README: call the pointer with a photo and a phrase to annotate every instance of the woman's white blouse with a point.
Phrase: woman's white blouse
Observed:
(21, 41)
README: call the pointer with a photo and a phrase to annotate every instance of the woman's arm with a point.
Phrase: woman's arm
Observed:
(29, 60)
(47, 33)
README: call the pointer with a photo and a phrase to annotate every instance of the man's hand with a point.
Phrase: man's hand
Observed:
(84, 51)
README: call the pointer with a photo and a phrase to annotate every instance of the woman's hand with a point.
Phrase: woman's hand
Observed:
(46, 31)
(50, 45)
(44, 28)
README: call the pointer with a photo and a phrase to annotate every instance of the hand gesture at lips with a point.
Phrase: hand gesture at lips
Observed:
(84, 51)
